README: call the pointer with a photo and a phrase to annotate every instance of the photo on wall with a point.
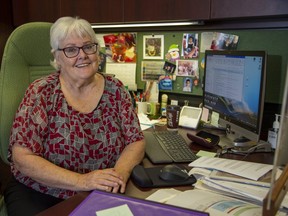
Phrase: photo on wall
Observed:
(187, 68)
(190, 47)
(169, 68)
(187, 84)
(120, 47)
(153, 46)
(151, 70)
(218, 41)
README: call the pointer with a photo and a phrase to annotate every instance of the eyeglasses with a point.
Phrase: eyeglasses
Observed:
(73, 51)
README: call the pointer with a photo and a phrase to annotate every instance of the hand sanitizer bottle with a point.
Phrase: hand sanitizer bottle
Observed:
(164, 100)
(273, 132)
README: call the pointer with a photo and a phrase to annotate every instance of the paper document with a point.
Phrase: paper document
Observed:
(145, 122)
(122, 210)
(251, 193)
(224, 176)
(163, 195)
(126, 72)
(244, 169)
(211, 202)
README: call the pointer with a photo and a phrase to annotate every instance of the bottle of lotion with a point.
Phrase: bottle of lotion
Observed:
(273, 132)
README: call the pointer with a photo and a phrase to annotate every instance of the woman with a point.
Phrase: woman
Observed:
(75, 130)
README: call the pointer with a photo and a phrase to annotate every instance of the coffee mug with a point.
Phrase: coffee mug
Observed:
(154, 109)
(143, 107)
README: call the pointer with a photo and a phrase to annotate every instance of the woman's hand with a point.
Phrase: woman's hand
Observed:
(107, 180)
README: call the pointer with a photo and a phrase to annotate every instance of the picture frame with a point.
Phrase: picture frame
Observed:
(187, 68)
(153, 46)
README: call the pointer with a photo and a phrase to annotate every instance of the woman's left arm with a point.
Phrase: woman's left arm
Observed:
(131, 156)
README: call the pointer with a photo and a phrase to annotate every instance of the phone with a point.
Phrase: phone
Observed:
(190, 116)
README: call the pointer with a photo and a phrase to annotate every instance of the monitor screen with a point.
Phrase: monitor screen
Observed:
(234, 87)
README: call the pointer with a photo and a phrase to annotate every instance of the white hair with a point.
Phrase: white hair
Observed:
(66, 26)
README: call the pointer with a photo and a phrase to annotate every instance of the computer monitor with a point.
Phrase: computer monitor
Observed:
(234, 87)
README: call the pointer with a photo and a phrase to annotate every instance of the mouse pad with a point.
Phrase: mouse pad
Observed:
(149, 177)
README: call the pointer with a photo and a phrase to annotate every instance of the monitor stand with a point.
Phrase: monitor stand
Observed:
(243, 146)
(243, 142)
(229, 141)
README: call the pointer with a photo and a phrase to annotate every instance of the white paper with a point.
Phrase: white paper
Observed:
(215, 119)
(126, 72)
(244, 169)
(122, 210)
(163, 195)
(205, 115)
(200, 172)
(100, 39)
(145, 122)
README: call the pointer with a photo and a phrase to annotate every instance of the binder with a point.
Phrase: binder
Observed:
(100, 200)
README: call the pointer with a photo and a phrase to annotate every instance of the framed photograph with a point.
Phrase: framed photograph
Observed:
(187, 84)
(151, 70)
(153, 46)
(190, 47)
(169, 68)
(187, 68)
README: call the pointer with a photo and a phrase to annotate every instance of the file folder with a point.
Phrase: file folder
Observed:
(100, 200)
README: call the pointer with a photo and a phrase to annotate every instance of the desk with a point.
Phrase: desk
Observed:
(67, 206)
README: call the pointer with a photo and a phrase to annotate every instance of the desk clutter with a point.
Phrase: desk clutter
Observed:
(223, 187)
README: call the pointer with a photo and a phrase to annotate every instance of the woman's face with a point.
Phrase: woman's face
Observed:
(82, 66)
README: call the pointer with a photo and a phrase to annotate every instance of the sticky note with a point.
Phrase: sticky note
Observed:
(122, 210)
(214, 119)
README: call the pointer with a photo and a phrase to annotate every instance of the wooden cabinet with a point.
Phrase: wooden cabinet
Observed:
(119, 11)
(248, 8)
(34, 10)
(95, 11)
(110, 11)
(163, 10)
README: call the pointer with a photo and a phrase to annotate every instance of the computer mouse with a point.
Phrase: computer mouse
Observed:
(173, 173)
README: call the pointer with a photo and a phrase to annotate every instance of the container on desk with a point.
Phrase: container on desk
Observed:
(154, 110)
(172, 115)
(143, 107)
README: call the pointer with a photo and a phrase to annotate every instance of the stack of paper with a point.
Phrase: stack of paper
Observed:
(243, 180)
(207, 201)
(224, 187)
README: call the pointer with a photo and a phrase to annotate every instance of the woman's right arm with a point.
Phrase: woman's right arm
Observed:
(49, 174)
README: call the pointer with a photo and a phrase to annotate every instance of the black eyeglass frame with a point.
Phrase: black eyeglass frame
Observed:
(83, 49)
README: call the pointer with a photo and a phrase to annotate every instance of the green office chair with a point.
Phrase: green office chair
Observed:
(26, 57)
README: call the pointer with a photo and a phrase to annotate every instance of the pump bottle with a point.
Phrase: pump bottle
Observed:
(164, 100)
(273, 132)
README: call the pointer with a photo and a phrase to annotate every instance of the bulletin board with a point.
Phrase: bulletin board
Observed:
(271, 41)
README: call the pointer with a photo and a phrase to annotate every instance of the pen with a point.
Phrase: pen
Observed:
(134, 95)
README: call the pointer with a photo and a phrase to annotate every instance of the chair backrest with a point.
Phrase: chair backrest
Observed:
(26, 57)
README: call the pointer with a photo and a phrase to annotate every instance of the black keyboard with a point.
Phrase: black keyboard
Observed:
(167, 147)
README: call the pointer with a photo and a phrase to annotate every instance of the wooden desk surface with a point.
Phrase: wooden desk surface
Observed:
(67, 206)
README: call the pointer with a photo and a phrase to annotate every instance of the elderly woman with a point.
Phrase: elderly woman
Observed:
(75, 130)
